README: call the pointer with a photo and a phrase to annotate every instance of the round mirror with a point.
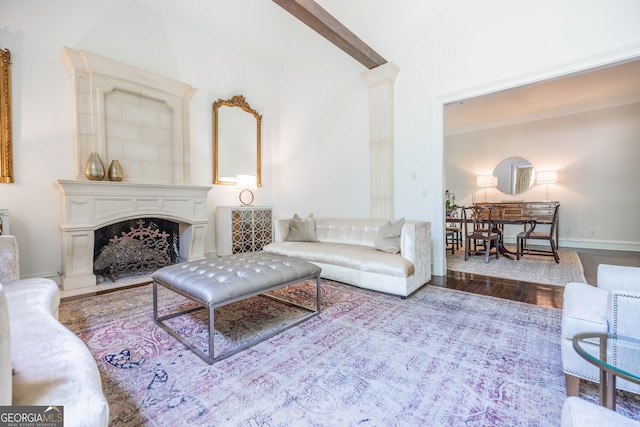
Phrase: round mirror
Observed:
(514, 175)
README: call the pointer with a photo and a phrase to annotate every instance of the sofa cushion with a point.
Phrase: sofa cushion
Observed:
(302, 229)
(360, 232)
(352, 256)
(388, 237)
(5, 353)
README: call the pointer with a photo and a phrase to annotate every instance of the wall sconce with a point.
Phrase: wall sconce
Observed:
(546, 178)
(246, 183)
(486, 181)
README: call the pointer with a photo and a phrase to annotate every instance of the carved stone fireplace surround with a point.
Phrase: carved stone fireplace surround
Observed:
(142, 120)
(90, 205)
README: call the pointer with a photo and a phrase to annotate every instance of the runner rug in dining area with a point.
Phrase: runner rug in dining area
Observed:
(530, 268)
(438, 358)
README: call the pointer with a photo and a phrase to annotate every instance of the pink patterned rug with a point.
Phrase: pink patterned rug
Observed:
(439, 358)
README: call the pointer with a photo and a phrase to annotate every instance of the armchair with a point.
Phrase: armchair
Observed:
(580, 413)
(612, 307)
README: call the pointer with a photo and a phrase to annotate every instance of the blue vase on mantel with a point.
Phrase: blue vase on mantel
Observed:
(94, 169)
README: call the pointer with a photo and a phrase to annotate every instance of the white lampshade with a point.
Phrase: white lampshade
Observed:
(486, 180)
(547, 177)
(246, 181)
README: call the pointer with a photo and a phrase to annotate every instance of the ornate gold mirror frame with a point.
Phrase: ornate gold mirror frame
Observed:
(236, 142)
(6, 157)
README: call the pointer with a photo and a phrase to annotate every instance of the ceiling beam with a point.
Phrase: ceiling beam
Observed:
(314, 16)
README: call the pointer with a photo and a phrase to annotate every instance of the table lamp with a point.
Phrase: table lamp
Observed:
(486, 181)
(546, 178)
(246, 183)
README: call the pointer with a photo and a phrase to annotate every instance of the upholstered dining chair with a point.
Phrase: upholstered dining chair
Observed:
(531, 234)
(478, 227)
(613, 307)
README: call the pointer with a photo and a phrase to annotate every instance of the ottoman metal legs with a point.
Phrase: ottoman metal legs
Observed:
(209, 356)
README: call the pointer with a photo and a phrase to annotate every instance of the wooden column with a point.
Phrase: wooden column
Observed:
(380, 81)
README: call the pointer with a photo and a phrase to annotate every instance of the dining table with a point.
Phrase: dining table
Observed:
(502, 249)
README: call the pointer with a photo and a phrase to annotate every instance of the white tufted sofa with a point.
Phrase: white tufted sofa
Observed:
(346, 251)
(43, 363)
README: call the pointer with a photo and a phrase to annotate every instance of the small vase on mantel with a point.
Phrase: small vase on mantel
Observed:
(94, 169)
(115, 171)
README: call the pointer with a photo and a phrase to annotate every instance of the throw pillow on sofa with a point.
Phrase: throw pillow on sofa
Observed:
(302, 229)
(388, 237)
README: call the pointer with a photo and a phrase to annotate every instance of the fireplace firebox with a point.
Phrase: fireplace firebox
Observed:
(134, 247)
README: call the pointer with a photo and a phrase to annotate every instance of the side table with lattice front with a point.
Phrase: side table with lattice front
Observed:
(242, 229)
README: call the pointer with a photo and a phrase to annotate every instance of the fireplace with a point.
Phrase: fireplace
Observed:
(134, 247)
(142, 120)
(90, 205)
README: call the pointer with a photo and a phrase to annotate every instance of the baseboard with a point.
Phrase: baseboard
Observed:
(607, 245)
(53, 276)
(601, 244)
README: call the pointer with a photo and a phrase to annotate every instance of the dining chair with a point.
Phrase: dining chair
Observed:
(455, 238)
(497, 213)
(531, 234)
(479, 227)
(452, 242)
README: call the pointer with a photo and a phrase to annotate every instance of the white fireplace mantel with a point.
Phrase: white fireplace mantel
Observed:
(89, 205)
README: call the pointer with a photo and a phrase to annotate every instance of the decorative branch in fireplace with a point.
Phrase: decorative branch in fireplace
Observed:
(135, 247)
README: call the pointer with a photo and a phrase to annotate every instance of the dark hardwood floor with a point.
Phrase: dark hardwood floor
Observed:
(533, 293)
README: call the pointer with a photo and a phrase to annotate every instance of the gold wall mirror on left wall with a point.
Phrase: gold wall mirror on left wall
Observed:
(6, 156)
(236, 141)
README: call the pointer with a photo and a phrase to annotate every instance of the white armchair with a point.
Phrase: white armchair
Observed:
(580, 413)
(612, 307)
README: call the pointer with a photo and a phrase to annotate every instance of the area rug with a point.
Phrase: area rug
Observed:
(438, 358)
(533, 269)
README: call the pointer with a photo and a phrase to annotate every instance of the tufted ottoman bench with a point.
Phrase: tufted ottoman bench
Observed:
(224, 280)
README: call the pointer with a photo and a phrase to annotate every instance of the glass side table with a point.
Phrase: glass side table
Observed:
(615, 356)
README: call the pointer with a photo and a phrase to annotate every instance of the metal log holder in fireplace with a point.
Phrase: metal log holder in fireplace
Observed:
(135, 247)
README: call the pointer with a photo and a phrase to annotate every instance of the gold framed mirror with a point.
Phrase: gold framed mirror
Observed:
(6, 153)
(236, 141)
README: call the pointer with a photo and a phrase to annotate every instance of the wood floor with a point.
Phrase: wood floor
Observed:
(532, 293)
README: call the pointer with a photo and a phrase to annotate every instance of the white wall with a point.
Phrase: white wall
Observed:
(448, 51)
(216, 47)
(310, 94)
(595, 154)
